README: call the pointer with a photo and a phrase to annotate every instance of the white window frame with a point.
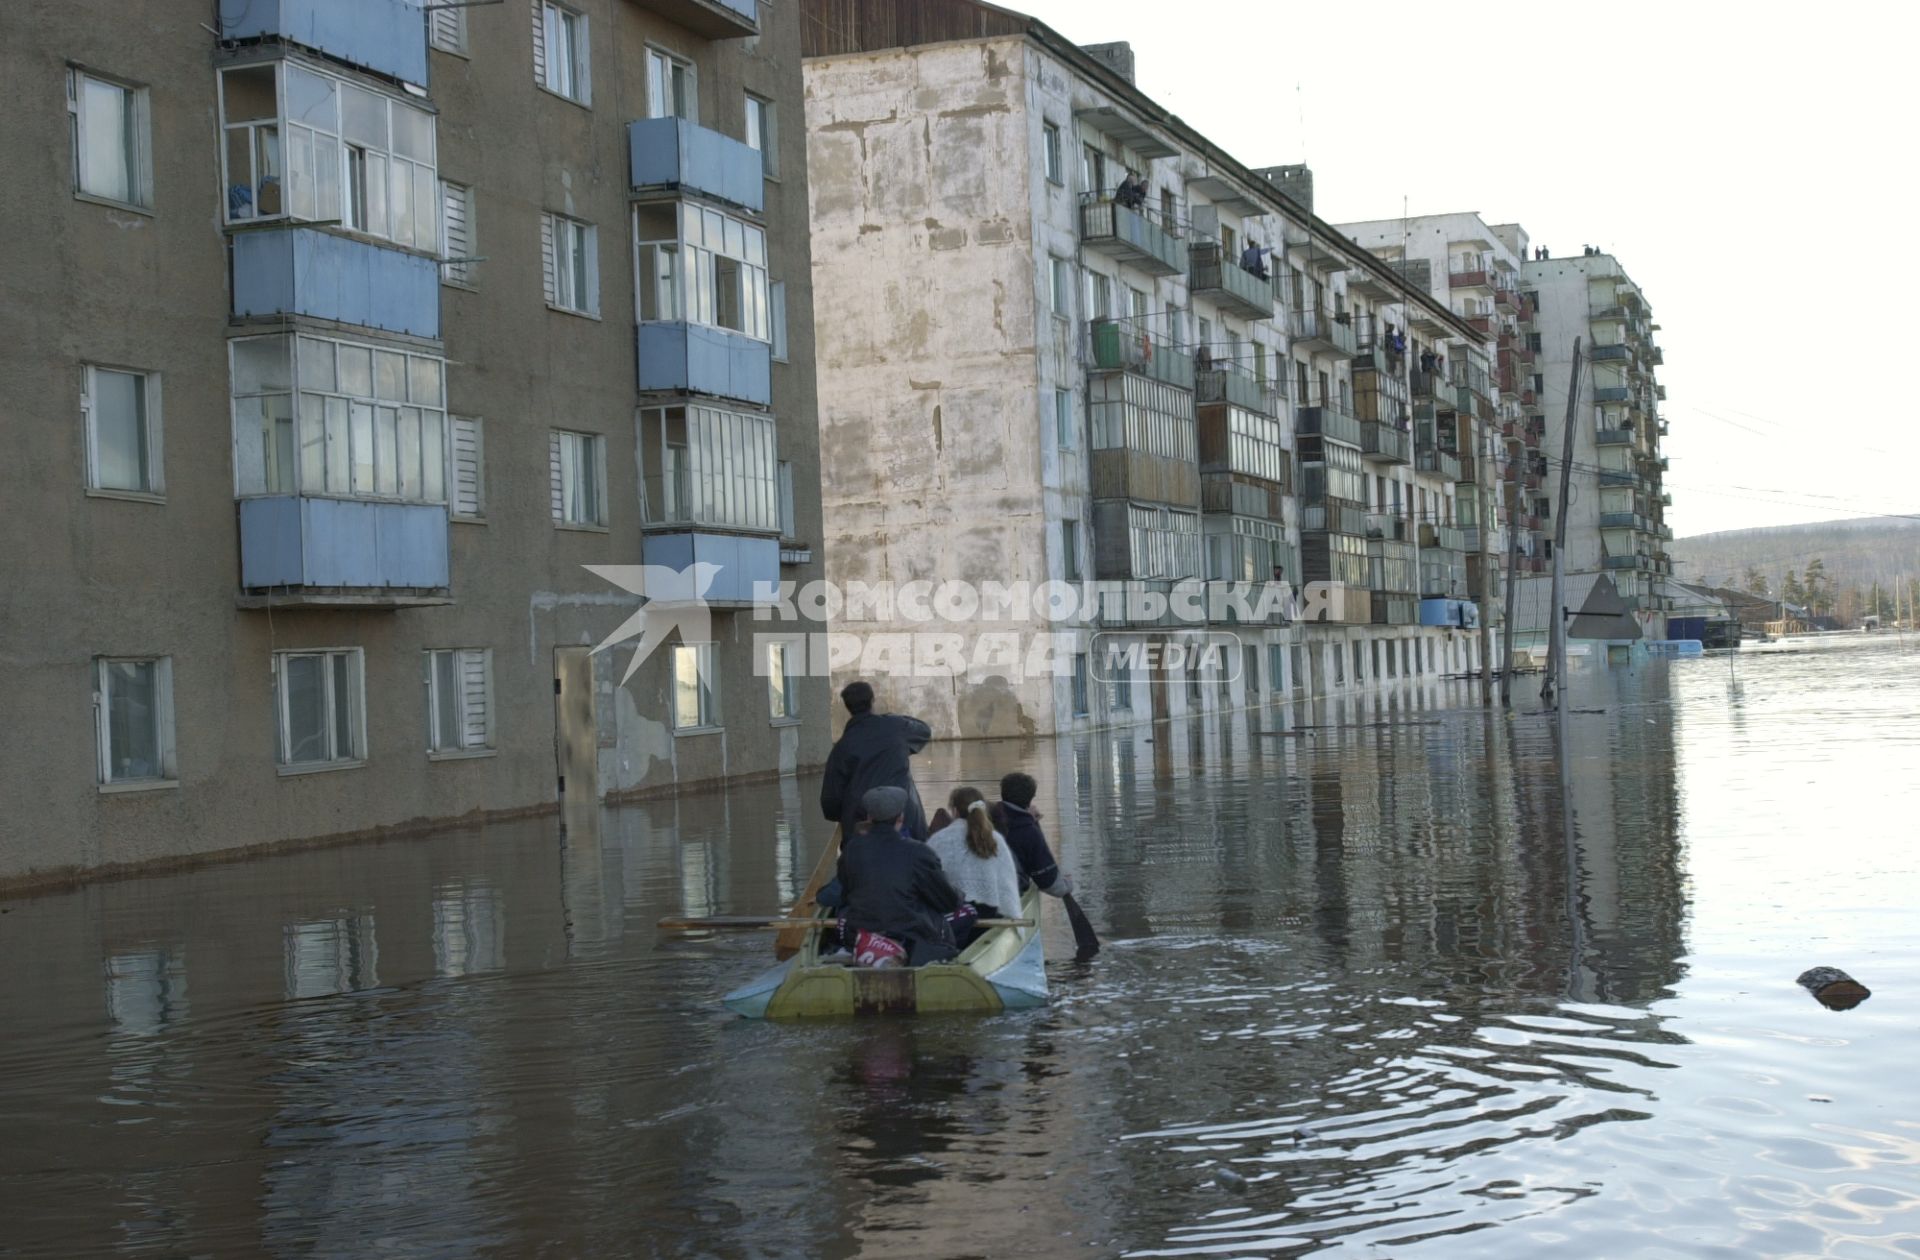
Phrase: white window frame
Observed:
(472, 668)
(661, 61)
(1071, 569)
(707, 693)
(457, 269)
(354, 661)
(467, 430)
(1059, 286)
(777, 318)
(1052, 156)
(783, 699)
(564, 454)
(789, 524)
(712, 264)
(156, 488)
(1063, 436)
(447, 29)
(167, 773)
(561, 239)
(569, 75)
(763, 133)
(137, 146)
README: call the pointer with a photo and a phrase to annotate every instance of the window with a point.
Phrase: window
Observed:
(1120, 688)
(782, 700)
(575, 462)
(321, 706)
(456, 232)
(111, 157)
(1070, 550)
(788, 521)
(570, 257)
(763, 133)
(1063, 418)
(1060, 287)
(777, 310)
(705, 465)
(447, 29)
(466, 477)
(369, 423)
(1082, 704)
(696, 264)
(560, 61)
(1099, 295)
(459, 700)
(1093, 170)
(133, 705)
(1050, 153)
(350, 155)
(670, 88)
(693, 706)
(122, 411)
(1276, 667)
(1539, 384)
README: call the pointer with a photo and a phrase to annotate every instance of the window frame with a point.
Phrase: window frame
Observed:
(587, 236)
(479, 429)
(763, 133)
(659, 56)
(777, 319)
(725, 476)
(707, 693)
(578, 44)
(1071, 569)
(458, 274)
(694, 275)
(460, 659)
(1060, 286)
(783, 700)
(597, 442)
(151, 418)
(165, 749)
(1080, 687)
(355, 659)
(138, 142)
(1063, 426)
(447, 30)
(1052, 156)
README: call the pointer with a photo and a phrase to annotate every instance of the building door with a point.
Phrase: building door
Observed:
(576, 739)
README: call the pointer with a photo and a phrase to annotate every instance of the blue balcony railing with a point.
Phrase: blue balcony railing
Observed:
(711, 19)
(675, 153)
(739, 562)
(350, 549)
(385, 36)
(697, 359)
(306, 271)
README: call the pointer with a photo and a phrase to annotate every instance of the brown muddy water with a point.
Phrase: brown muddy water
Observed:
(1365, 992)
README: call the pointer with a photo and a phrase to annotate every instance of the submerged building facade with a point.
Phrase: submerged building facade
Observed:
(365, 329)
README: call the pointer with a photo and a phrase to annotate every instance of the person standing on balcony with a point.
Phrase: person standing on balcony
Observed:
(873, 751)
(1251, 262)
(1132, 193)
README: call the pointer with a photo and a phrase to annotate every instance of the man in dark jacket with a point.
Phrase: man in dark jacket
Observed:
(872, 752)
(1017, 820)
(893, 885)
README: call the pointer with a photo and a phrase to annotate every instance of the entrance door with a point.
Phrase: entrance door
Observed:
(576, 740)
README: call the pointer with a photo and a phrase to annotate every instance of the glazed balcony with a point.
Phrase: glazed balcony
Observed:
(1138, 345)
(1332, 516)
(385, 36)
(1443, 464)
(1327, 420)
(710, 19)
(1224, 282)
(286, 271)
(1215, 381)
(1383, 443)
(672, 154)
(299, 550)
(1131, 235)
(1389, 526)
(1322, 332)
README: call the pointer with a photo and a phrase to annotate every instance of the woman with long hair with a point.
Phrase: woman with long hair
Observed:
(976, 858)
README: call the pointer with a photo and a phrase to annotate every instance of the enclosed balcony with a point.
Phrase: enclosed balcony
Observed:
(297, 550)
(676, 357)
(1619, 352)
(738, 562)
(279, 272)
(1333, 516)
(1218, 382)
(1140, 344)
(1327, 420)
(1622, 520)
(710, 19)
(1443, 464)
(1383, 443)
(674, 154)
(1133, 235)
(1614, 437)
(1324, 332)
(385, 36)
(1612, 393)
(1213, 276)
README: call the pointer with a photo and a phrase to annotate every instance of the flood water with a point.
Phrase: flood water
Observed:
(1381, 987)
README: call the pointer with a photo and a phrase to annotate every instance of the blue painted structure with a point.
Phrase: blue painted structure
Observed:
(741, 561)
(678, 357)
(1461, 614)
(295, 541)
(305, 271)
(385, 36)
(675, 153)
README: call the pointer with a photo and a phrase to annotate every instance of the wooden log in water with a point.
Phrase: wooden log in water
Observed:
(1833, 988)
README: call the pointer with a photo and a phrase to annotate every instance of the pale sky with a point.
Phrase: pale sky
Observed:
(1751, 166)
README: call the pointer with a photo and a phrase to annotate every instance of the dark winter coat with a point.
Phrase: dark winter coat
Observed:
(872, 752)
(1031, 852)
(893, 885)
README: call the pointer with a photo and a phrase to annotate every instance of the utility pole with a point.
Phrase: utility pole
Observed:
(1513, 567)
(1556, 616)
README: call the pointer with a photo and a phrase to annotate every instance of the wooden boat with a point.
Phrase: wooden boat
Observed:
(1004, 970)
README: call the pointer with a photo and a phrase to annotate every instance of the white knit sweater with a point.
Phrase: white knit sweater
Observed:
(993, 881)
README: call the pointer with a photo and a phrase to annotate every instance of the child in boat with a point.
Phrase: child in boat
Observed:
(892, 885)
(977, 860)
(1019, 822)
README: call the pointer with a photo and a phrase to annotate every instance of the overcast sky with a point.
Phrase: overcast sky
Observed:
(1750, 166)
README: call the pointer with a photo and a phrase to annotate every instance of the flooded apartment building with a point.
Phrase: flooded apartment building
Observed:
(342, 335)
(1075, 342)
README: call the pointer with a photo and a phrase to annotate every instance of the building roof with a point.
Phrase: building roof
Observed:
(840, 27)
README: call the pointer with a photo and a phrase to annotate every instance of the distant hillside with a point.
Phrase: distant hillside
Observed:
(1856, 553)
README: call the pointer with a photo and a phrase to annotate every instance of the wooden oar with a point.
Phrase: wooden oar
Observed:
(793, 938)
(1085, 943)
(751, 923)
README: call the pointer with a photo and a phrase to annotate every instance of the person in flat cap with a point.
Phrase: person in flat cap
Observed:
(893, 885)
(872, 751)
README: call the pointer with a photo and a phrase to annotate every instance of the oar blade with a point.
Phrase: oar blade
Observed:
(1085, 943)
